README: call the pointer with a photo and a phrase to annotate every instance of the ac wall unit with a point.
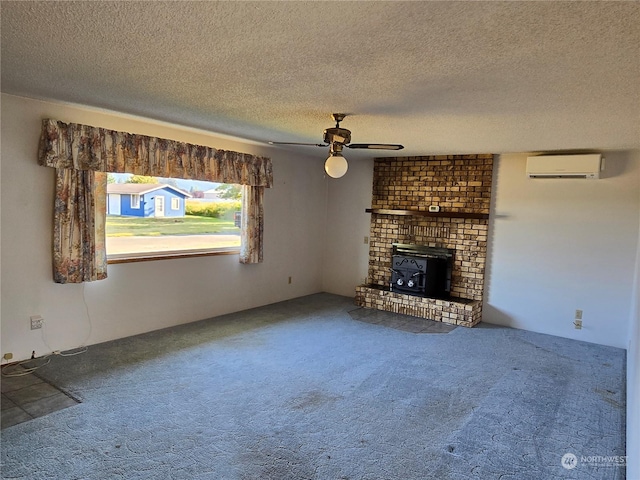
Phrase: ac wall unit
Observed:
(564, 166)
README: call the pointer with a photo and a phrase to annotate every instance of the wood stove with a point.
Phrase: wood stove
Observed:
(421, 270)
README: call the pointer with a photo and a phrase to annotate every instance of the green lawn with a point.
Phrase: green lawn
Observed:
(189, 225)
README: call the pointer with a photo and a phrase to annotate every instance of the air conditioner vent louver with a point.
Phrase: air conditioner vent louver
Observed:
(564, 166)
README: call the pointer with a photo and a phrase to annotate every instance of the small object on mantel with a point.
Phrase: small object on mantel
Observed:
(424, 213)
(434, 208)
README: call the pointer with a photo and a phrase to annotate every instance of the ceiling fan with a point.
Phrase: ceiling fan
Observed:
(337, 138)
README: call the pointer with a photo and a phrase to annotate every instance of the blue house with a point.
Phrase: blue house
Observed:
(145, 200)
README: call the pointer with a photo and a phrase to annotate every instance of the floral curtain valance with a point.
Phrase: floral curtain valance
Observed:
(82, 147)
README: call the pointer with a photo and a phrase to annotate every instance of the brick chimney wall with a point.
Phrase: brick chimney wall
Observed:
(457, 184)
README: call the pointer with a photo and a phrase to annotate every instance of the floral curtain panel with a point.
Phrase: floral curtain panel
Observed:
(79, 253)
(81, 154)
(252, 225)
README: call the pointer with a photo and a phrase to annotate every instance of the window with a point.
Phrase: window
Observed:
(201, 218)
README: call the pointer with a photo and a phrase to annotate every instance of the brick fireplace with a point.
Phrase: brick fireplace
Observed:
(403, 190)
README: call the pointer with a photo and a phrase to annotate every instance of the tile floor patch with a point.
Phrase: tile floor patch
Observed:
(6, 403)
(399, 321)
(14, 416)
(28, 396)
(31, 393)
(10, 384)
(46, 405)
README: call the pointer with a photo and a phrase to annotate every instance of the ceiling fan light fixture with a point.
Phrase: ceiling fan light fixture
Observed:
(336, 165)
(338, 138)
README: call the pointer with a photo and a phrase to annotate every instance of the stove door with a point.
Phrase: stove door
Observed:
(408, 274)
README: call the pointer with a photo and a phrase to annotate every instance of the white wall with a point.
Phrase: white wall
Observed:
(557, 245)
(346, 256)
(633, 380)
(144, 296)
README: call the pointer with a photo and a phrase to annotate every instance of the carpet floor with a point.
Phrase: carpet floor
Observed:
(301, 390)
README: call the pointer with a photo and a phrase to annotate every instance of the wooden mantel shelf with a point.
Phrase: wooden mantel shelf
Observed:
(422, 213)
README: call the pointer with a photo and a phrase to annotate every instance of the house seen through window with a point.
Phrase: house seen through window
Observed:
(156, 217)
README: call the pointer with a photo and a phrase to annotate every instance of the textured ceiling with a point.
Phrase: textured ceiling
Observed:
(438, 77)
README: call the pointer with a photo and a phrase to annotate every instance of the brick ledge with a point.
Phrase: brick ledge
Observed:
(466, 313)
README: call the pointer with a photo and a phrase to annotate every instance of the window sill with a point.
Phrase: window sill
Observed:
(151, 256)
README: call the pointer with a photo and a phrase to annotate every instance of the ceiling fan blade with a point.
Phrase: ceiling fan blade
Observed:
(297, 143)
(376, 146)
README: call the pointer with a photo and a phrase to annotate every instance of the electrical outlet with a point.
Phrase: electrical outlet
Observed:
(577, 324)
(578, 314)
(8, 356)
(36, 322)
(366, 240)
